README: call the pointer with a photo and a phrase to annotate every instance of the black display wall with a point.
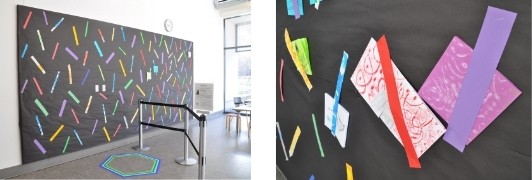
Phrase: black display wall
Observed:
(418, 32)
(80, 81)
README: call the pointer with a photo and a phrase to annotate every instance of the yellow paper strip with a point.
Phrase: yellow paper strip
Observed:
(122, 66)
(349, 171)
(106, 134)
(296, 60)
(75, 35)
(88, 105)
(294, 141)
(134, 115)
(101, 72)
(69, 74)
(57, 132)
(113, 36)
(141, 91)
(149, 47)
(152, 113)
(38, 64)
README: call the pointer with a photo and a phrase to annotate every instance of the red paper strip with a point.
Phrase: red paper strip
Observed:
(395, 105)
(281, 80)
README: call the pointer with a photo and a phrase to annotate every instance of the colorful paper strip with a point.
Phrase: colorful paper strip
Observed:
(77, 136)
(62, 108)
(395, 105)
(43, 151)
(38, 103)
(55, 82)
(294, 141)
(106, 134)
(58, 23)
(317, 135)
(38, 64)
(73, 96)
(338, 90)
(57, 132)
(280, 138)
(488, 50)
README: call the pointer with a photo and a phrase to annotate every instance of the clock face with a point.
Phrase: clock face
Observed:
(168, 25)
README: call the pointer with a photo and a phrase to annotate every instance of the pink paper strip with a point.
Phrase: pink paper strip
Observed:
(441, 88)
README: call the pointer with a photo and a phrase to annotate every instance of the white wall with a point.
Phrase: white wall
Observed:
(195, 20)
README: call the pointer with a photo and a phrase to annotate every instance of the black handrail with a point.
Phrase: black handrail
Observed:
(184, 106)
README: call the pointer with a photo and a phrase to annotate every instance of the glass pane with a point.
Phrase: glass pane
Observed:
(237, 77)
(243, 34)
(230, 25)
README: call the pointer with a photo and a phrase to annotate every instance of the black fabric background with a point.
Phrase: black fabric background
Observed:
(418, 32)
(173, 93)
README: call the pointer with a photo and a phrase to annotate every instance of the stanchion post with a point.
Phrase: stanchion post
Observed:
(185, 160)
(202, 146)
(141, 142)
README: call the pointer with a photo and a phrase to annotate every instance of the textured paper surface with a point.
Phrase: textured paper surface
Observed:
(444, 82)
(490, 44)
(423, 126)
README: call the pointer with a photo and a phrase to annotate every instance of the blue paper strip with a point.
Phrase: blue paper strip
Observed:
(339, 83)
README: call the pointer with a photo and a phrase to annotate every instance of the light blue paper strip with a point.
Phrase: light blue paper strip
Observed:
(290, 7)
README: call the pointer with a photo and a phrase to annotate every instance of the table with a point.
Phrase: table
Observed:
(241, 109)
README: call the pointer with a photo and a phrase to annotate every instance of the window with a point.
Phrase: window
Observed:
(237, 52)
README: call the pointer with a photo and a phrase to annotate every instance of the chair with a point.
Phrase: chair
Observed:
(229, 116)
(238, 101)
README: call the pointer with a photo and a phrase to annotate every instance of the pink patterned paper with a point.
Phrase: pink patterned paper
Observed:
(444, 82)
(423, 126)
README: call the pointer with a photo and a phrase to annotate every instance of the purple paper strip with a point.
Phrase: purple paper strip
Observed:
(296, 8)
(71, 53)
(110, 57)
(39, 146)
(95, 123)
(45, 18)
(140, 73)
(491, 41)
(176, 116)
(84, 78)
(62, 108)
(24, 86)
(162, 58)
(133, 42)
(441, 87)
(164, 83)
(121, 96)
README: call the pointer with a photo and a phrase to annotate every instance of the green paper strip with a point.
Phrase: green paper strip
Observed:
(73, 96)
(116, 105)
(317, 135)
(86, 28)
(101, 72)
(179, 57)
(41, 107)
(129, 83)
(66, 144)
(142, 37)
(301, 47)
(161, 41)
(123, 52)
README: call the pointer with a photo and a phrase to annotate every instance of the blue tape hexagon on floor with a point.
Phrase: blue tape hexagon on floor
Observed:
(131, 164)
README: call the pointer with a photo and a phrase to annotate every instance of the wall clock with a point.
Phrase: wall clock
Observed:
(168, 25)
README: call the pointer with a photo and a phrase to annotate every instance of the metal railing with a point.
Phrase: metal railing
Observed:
(185, 160)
